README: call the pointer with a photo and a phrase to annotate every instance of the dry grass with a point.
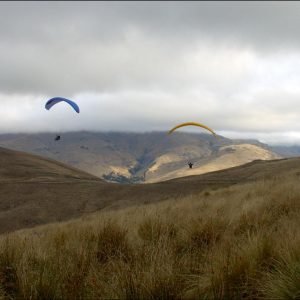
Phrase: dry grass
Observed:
(241, 242)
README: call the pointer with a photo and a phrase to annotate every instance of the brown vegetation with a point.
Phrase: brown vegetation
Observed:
(238, 242)
(36, 191)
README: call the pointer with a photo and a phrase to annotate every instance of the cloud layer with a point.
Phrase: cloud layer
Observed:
(143, 66)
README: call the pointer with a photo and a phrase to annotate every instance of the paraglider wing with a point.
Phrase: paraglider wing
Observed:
(51, 102)
(192, 124)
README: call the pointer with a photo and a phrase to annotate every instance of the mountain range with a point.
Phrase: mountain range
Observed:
(142, 157)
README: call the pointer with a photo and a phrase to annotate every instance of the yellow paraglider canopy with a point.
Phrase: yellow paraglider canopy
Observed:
(192, 124)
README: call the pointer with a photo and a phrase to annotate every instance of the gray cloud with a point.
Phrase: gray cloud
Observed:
(147, 65)
(81, 46)
(257, 22)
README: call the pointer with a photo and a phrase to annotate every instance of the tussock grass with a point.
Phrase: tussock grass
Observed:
(153, 229)
(283, 282)
(112, 243)
(241, 242)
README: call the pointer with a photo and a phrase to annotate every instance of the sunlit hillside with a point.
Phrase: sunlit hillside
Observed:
(227, 157)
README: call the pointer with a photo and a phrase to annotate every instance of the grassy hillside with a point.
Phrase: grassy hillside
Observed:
(236, 242)
(23, 167)
(37, 191)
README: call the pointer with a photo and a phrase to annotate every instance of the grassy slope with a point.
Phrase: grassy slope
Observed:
(236, 242)
(36, 191)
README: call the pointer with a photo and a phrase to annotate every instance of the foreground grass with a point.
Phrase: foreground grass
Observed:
(241, 242)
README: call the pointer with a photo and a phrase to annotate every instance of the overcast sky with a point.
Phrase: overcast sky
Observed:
(145, 66)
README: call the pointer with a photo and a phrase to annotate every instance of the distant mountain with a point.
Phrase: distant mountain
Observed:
(140, 157)
(286, 151)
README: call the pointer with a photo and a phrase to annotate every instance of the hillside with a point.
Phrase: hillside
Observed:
(140, 157)
(231, 234)
(35, 190)
(227, 157)
(20, 167)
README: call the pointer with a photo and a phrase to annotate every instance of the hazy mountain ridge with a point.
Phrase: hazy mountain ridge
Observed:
(286, 151)
(138, 157)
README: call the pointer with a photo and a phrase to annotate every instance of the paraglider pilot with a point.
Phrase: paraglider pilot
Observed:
(57, 138)
(190, 165)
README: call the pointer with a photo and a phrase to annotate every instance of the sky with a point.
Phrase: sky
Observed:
(147, 66)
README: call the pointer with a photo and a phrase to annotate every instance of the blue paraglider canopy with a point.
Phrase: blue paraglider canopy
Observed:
(56, 100)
